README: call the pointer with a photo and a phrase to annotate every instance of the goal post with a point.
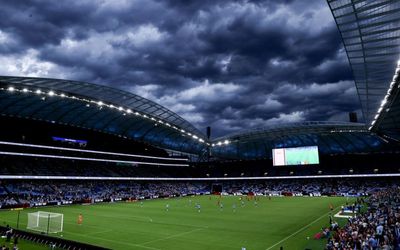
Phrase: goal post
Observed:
(45, 222)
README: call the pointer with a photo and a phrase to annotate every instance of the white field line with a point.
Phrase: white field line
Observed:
(100, 232)
(142, 218)
(298, 231)
(115, 241)
(172, 236)
(101, 238)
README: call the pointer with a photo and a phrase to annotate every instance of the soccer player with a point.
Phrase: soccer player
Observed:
(80, 219)
(167, 207)
(198, 206)
(234, 207)
(221, 206)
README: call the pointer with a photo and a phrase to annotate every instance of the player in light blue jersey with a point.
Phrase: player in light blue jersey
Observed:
(198, 206)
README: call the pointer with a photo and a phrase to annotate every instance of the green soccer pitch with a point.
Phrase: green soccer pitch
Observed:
(269, 224)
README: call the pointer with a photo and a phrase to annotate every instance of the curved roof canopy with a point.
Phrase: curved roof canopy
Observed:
(371, 35)
(331, 138)
(114, 111)
(99, 108)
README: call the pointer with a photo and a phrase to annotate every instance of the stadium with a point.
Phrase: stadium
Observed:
(89, 166)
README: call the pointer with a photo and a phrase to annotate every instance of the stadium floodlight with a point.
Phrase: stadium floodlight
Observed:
(62, 95)
(129, 111)
(100, 103)
(11, 89)
(120, 108)
(51, 93)
(88, 151)
(38, 92)
(89, 159)
(219, 143)
(45, 222)
(226, 142)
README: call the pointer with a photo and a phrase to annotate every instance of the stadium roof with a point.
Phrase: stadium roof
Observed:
(118, 112)
(99, 108)
(331, 138)
(371, 35)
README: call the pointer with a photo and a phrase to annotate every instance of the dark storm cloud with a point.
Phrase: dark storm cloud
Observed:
(229, 64)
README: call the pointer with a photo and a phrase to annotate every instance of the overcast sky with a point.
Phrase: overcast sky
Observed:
(231, 65)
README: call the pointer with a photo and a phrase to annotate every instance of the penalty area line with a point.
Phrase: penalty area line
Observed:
(114, 241)
(171, 236)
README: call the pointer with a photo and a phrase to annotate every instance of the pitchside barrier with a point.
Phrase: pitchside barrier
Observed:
(59, 243)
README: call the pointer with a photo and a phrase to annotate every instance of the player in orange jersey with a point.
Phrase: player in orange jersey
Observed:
(80, 219)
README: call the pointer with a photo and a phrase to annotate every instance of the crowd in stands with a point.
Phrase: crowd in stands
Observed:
(343, 187)
(377, 228)
(38, 193)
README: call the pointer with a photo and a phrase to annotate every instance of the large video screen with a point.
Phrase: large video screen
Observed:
(295, 156)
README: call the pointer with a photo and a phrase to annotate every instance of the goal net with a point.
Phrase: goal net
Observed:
(45, 222)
